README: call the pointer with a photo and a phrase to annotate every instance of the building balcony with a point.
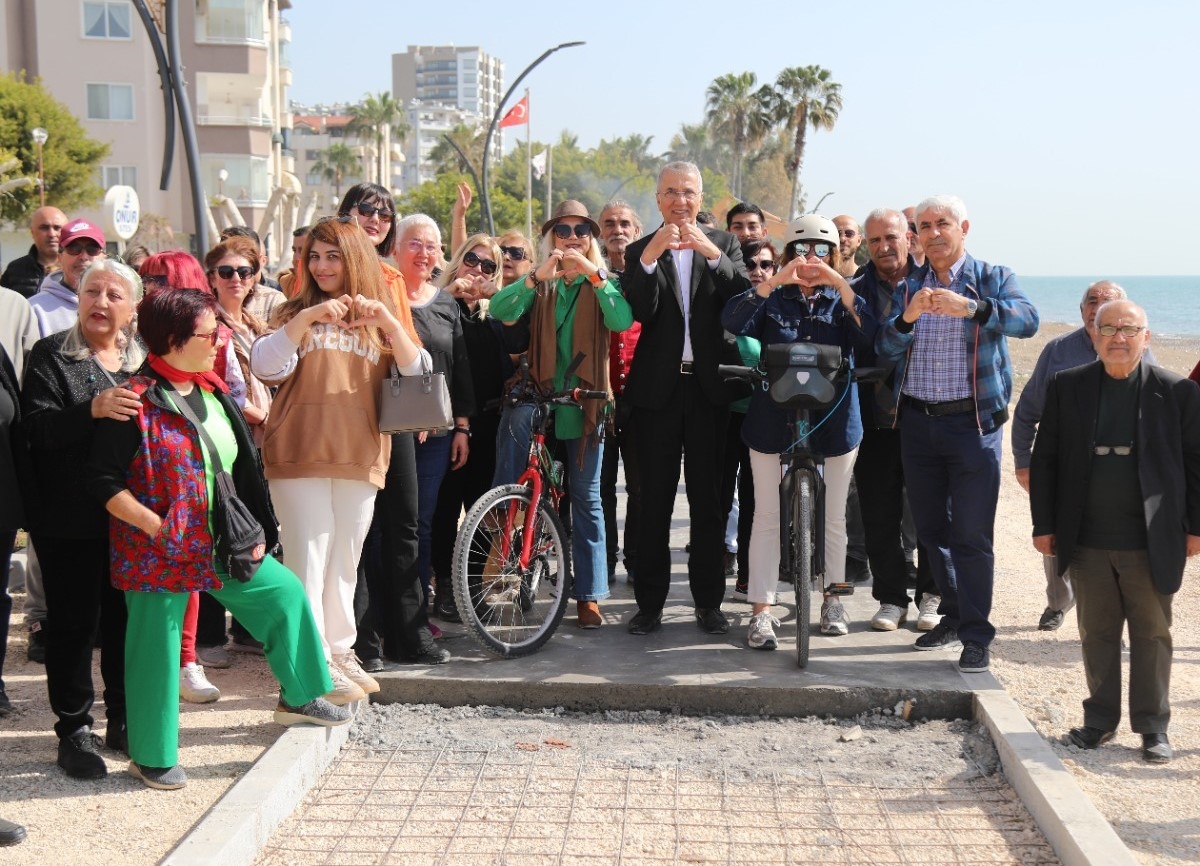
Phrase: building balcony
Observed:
(226, 115)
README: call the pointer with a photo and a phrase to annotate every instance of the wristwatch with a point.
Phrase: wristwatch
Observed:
(530, 281)
(600, 278)
(972, 307)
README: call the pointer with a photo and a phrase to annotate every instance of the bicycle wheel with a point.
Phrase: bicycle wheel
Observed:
(511, 611)
(802, 563)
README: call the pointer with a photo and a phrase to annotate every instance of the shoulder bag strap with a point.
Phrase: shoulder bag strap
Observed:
(189, 413)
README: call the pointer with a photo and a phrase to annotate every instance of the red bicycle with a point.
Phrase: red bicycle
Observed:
(512, 561)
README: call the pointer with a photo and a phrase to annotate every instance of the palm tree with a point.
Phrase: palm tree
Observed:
(335, 163)
(804, 96)
(470, 138)
(380, 117)
(739, 112)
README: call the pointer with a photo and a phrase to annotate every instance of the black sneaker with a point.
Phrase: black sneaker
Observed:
(37, 642)
(244, 643)
(1051, 620)
(78, 757)
(940, 637)
(6, 706)
(645, 623)
(10, 833)
(711, 620)
(974, 659)
(117, 736)
(446, 610)
(372, 665)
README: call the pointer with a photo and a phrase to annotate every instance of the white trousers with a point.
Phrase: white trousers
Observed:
(323, 524)
(764, 531)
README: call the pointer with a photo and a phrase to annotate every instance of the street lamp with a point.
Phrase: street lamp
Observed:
(39, 137)
(486, 203)
(222, 176)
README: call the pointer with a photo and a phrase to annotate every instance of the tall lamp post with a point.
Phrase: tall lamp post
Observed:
(486, 201)
(40, 137)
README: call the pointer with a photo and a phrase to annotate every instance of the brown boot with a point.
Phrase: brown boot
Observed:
(589, 614)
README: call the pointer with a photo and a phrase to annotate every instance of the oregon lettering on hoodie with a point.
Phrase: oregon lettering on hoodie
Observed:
(333, 337)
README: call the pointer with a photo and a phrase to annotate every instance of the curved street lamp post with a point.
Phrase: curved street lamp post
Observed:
(40, 136)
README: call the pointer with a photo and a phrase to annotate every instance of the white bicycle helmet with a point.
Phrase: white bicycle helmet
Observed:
(811, 227)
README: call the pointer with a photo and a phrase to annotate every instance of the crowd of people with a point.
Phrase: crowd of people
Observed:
(126, 394)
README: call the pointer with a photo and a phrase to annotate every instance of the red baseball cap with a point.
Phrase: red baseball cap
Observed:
(81, 229)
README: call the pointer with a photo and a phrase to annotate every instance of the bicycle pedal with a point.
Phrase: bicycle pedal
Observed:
(840, 589)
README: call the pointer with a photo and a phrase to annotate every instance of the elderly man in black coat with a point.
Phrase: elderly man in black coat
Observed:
(1115, 494)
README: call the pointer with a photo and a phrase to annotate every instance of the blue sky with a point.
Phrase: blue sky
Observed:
(1070, 128)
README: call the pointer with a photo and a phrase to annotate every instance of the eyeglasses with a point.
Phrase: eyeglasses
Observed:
(756, 265)
(76, 248)
(211, 336)
(416, 246)
(1119, 450)
(517, 254)
(685, 194)
(369, 210)
(847, 233)
(472, 260)
(227, 272)
(155, 280)
(820, 249)
(1126, 330)
(562, 231)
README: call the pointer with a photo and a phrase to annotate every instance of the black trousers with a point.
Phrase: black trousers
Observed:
(619, 449)
(737, 473)
(388, 600)
(7, 538)
(879, 473)
(691, 426)
(460, 490)
(80, 599)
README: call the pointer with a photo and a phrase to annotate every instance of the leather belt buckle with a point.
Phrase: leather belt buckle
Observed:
(685, 367)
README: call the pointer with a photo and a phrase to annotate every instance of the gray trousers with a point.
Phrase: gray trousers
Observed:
(1112, 588)
(35, 596)
(1059, 595)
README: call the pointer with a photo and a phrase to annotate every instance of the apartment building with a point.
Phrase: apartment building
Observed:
(95, 58)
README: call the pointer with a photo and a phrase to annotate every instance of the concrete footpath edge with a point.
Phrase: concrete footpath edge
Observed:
(1073, 826)
(236, 829)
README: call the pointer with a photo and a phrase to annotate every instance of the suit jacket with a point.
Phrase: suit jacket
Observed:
(1168, 456)
(657, 302)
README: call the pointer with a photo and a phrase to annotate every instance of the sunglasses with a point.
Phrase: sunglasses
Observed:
(847, 233)
(471, 260)
(820, 249)
(369, 210)
(517, 254)
(155, 280)
(1119, 450)
(756, 265)
(211, 336)
(1126, 330)
(79, 247)
(227, 272)
(562, 231)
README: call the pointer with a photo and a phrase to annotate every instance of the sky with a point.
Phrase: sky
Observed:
(1069, 128)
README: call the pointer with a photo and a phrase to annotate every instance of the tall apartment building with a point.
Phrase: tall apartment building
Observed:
(95, 58)
(462, 77)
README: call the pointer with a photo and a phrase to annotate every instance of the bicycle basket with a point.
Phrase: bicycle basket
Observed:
(803, 375)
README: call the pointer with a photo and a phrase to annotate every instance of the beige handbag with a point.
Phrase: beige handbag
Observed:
(410, 404)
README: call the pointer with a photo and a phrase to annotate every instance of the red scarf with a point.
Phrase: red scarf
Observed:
(208, 380)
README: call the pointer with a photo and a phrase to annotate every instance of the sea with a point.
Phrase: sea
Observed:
(1172, 304)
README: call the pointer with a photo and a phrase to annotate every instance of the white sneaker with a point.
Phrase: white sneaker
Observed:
(352, 668)
(762, 631)
(889, 617)
(194, 686)
(929, 617)
(833, 618)
(345, 690)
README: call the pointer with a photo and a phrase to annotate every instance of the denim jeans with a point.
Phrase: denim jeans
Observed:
(512, 444)
(433, 462)
(953, 476)
(588, 549)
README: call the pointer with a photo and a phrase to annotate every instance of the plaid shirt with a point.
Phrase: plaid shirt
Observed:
(939, 368)
(1010, 314)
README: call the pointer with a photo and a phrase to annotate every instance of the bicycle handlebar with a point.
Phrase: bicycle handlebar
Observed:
(755, 374)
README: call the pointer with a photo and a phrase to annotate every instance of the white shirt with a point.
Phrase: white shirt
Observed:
(683, 269)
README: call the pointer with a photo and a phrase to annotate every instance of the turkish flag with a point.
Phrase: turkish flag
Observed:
(518, 115)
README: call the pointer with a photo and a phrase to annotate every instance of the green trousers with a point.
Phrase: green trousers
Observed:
(272, 607)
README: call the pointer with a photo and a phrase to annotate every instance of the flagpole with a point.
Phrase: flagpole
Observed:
(528, 168)
(549, 180)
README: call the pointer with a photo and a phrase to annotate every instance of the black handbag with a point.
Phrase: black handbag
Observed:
(240, 544)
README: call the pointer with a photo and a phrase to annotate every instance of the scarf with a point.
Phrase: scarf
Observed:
(208, 380)
(589, 336)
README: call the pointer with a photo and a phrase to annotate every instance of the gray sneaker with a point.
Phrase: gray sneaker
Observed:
(762, 631)
(318, 711)
(833, 618)
(162, 778)
(213, 657)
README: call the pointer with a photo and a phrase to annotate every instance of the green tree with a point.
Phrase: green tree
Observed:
(435, 198)
(337, 162)
(739, 113)
(804, 96)
(378, 117)
(70, 159)
(470, 139)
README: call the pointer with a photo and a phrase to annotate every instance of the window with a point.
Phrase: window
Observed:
(248, 182)
(311, 155)
(107, 21)
(118, 175)
(231, 21)
(110, 102)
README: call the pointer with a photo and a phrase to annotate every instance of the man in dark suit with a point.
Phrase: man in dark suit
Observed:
(680, 403)
(1115, 494)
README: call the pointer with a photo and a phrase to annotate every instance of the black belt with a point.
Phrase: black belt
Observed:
(685, 367)
(934, 410)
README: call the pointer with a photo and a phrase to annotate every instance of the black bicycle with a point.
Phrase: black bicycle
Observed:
(803, 378)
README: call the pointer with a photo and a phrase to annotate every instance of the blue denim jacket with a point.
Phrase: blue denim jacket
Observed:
(786, 317)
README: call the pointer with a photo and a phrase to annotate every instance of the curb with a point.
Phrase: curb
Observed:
(236, 829)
